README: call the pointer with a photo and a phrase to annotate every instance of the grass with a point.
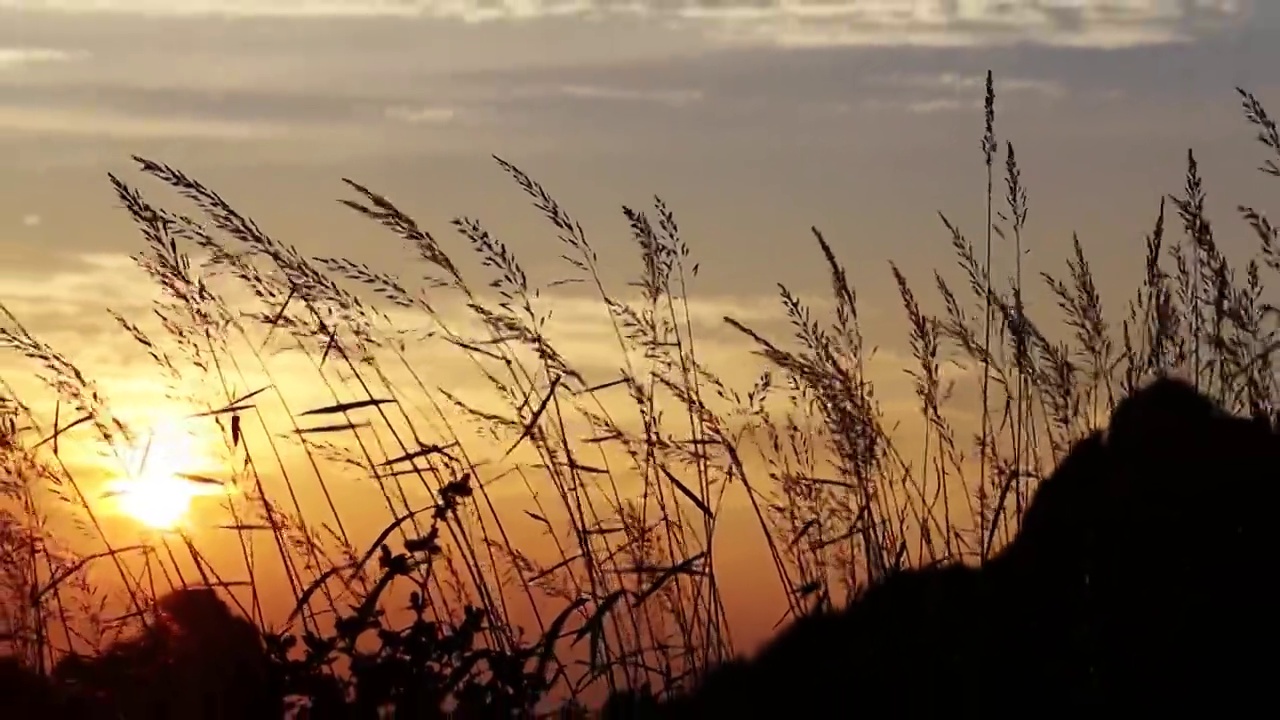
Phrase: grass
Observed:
(626, 478)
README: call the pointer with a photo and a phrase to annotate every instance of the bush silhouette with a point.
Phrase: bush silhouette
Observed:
(1134, 580)
(196, 660)
(200, 660)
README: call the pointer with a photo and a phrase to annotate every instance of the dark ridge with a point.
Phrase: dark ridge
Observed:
(1135, 582)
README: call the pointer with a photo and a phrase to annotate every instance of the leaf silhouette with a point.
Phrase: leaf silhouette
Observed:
(537, 415)
(693, 498)
(331, 428)
(562, 564)
(424, 451)
(53, 438)
(553, 634)
(234, 406)
(200, 479)
(683, 568)
(346, 406)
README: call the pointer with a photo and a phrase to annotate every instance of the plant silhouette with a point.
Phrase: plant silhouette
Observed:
(197, 659)
(200, 660)
(1135, 581)
(1099, 602)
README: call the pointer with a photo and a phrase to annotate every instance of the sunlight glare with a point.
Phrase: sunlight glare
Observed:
(156, 494)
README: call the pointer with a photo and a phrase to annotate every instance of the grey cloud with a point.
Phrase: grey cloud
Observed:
(13, 58)
(633, 72)
(246, 105)
(895, 22)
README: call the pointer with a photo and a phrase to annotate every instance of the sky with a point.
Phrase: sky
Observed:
(753, 120)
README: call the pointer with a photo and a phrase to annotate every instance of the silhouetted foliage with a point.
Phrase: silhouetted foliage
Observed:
(425, 669)
(1135, 581)
(200, 660)
(196, 659)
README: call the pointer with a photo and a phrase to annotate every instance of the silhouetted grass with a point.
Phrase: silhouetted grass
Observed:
(1087, 609)
(626, 475)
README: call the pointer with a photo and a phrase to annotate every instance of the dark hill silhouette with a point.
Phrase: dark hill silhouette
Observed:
(1139, 580)
(197, 660)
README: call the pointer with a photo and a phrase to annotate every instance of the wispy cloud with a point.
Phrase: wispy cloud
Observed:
(1092, 23)
(250, 8)
(81, 283)
(596, 92)
(469, 10)
(422, 115)
(67, 306)
(925, 94)
(941, 105)
(1086, 23)
(673, 98)
(968, 84)
(91, 122)
(16, 57)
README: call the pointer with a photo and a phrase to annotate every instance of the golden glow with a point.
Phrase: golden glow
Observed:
(156, 494)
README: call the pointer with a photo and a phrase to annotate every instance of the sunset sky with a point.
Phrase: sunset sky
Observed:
(753, 121)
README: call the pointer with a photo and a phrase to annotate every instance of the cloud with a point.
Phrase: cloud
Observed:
(66, 306)
(968, 84)
(16, 57)
(471, 11)
(422, 115)
(473, 111)
(89, 122)
(926, 94)
(675, 98)
(940, 105)
(80, 282)
(950, 23)
(246, 8)
(939, 23)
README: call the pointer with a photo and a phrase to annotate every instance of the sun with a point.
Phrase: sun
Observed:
(161, 483)
(158, 503)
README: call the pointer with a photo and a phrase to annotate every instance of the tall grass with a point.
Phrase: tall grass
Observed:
(627, 475)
